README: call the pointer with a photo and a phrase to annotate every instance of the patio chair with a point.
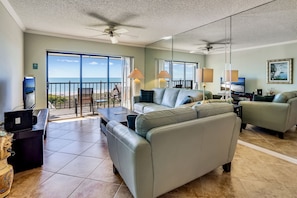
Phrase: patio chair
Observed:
(116, 94)
(87, 98)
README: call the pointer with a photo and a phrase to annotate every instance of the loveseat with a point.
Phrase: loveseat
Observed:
(172, 147)
(167, 98)
(279, 115)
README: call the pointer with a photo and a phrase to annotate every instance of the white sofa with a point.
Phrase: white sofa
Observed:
(279, 115)
(172, 147)
(168, 98)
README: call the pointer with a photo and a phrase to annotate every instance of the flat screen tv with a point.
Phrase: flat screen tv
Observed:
(29, 93)
(236, 87)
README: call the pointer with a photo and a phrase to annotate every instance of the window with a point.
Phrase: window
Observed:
(182, 73)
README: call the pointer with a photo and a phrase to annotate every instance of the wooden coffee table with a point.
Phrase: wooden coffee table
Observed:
(118, 114)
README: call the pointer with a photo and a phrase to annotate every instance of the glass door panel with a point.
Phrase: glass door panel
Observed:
(63, 79)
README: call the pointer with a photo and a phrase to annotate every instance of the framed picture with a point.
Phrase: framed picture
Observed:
(280, 71)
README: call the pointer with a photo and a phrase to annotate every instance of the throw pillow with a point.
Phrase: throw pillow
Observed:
(146, 96)
(131, 121)
(186, 100)
(258, 98)
(263, 98)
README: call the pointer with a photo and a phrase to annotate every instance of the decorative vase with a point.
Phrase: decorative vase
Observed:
(6, 170)
(6, 177)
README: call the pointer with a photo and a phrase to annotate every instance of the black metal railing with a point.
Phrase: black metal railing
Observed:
(187, 84)
(62, 95)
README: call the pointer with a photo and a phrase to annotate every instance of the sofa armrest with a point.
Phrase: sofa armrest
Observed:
(269, 115)
(131, 155)
(136, 99)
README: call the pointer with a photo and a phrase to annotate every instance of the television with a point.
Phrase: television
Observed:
(29, 93)
(236, 87)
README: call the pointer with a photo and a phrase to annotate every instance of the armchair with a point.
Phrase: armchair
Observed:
(279, 115)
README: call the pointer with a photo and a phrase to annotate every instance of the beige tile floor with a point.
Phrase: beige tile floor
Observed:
(269, 140)
(77, 164)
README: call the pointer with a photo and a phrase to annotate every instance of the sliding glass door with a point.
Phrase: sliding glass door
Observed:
(78, 84)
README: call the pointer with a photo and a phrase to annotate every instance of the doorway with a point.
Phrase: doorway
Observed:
(78, 84)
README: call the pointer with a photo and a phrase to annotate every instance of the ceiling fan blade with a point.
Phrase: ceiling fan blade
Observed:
(97, 16)
(121, 31)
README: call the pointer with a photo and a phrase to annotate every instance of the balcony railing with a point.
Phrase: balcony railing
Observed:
(187, 84)
(62, 95)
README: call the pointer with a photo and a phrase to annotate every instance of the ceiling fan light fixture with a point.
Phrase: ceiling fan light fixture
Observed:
(113, 39)
(205, 52)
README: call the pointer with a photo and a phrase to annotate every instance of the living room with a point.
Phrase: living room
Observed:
(19, 50)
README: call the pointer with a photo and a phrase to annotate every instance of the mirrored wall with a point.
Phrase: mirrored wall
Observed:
(247, 40)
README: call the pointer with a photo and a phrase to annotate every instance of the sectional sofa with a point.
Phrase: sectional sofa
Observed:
(167, 98)
(172, 147)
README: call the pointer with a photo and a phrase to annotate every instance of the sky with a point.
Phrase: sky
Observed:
(93, 67)
(68, 66)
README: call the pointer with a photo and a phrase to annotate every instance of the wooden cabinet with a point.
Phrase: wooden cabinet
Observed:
(28, 145)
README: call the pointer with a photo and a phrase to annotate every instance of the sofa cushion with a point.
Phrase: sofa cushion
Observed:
(139, 107)
(147, 121)
(186, 100)
(169, 97)
(284, 97)
(154, 107)
(158, 95)
(146, 96)
(183, 93)
(210, 109)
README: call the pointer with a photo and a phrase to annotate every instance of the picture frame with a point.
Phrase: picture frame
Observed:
(280, 71)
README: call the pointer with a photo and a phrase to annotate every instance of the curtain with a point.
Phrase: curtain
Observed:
(159, 66)
(126, 89)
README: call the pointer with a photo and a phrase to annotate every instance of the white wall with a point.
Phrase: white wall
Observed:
(36, 47)
(11, 64)
(252, 65)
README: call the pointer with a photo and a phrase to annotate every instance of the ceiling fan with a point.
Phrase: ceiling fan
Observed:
(210, 47)
(112, 29)
(114, 33)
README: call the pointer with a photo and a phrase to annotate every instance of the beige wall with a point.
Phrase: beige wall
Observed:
(252, 65)
(36, 47)
(11, 64)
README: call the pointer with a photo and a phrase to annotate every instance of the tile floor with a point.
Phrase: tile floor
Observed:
(77, 164)
(269, 140)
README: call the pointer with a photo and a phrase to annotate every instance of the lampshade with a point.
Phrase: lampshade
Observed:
(136, 74)
(231, 75)
(204, 75)
(163, 74)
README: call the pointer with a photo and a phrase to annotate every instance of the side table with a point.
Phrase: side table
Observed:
(238, 110)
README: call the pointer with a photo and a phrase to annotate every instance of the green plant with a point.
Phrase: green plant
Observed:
(54, 99)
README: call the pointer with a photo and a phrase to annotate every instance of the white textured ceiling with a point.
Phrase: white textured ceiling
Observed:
(149, 20)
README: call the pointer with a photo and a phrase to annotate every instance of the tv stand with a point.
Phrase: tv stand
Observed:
(28, 144)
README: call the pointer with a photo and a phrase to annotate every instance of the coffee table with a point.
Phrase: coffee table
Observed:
(118, 114)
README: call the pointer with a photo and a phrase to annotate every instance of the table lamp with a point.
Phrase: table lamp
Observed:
(136, 75)
(162, 75)
(230, 76)
(204, 75)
